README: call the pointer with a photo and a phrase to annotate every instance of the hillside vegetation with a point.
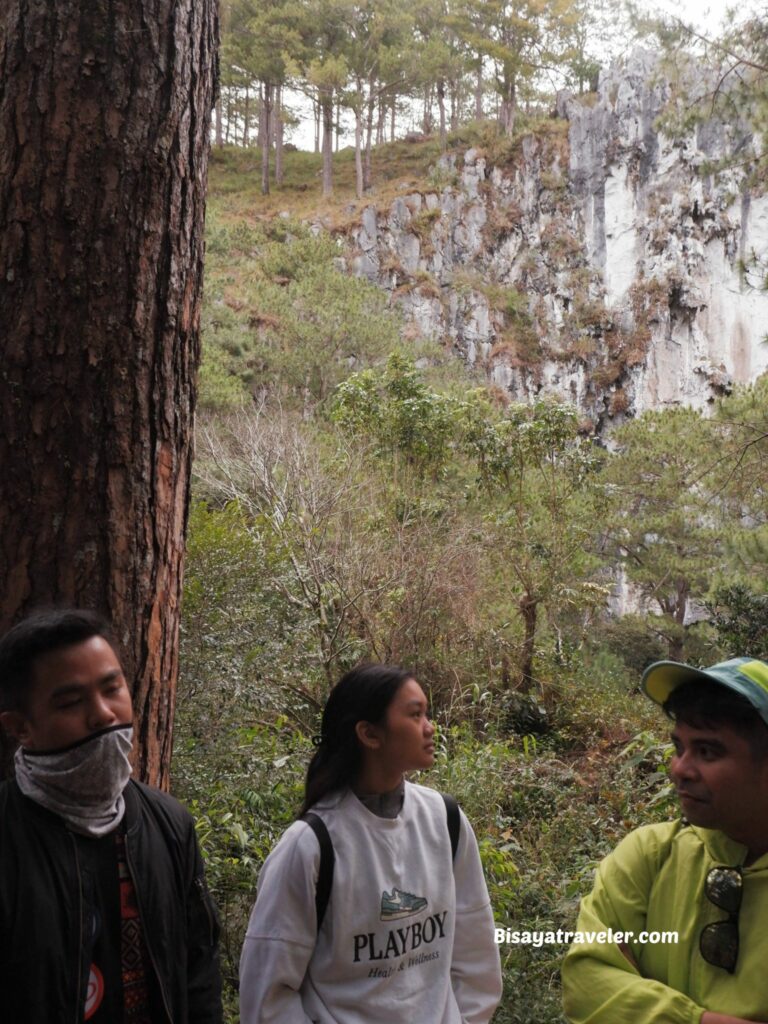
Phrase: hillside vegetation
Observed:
(359, 495)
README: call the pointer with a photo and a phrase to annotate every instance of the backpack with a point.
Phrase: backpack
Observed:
(327, 856)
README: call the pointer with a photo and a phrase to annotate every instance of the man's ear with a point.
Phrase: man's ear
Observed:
(369, 735)
(15, 724)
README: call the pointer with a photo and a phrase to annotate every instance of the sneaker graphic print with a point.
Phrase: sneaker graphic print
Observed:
(399, 904)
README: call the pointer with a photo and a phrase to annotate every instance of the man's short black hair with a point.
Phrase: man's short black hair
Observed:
(707, 705)
(38, 634)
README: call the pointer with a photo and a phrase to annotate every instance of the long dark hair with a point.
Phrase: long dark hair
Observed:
(362, 695)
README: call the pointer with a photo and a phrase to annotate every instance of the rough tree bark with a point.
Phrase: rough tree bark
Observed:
(104, 137)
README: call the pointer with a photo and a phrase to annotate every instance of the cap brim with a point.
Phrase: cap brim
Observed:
(661, 678)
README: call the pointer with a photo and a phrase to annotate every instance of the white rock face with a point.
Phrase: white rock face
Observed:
(620, 245)
(607, 270)
(652, 216)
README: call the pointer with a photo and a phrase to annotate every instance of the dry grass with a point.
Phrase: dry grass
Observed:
(235, 182)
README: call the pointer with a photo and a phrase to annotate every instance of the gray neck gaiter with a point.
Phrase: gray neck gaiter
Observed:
(385, 805)
(83, 783)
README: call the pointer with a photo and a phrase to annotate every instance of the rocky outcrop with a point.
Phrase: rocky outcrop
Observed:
(601, 260)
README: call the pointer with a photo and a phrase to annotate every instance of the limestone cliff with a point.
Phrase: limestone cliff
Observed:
(602, 261)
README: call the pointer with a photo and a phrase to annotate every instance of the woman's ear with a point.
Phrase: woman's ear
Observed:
(369, 735)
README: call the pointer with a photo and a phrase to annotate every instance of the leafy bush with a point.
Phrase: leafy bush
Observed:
(740, 617)
(243, 789)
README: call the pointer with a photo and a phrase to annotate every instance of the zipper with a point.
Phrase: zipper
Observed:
(200, 886)
(144, 931)
(78, 1008)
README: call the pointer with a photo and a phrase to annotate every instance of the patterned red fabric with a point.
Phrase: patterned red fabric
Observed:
(135, 961)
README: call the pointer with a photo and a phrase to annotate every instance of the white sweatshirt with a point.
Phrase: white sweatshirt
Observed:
(408, 934)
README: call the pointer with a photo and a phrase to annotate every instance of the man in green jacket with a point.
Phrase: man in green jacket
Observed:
(675, 929)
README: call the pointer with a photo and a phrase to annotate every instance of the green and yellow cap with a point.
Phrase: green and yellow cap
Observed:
(745, 676)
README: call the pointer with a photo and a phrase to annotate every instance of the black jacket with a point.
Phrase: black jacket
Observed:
(42, 968)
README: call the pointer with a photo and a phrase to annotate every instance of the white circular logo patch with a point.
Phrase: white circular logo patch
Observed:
(95, 993)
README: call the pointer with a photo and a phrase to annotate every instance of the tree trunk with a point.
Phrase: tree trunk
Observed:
(326, 105)
(676, 648)
(266, 135)
(426, 124)
(369, 108)
(318, 115)
(359, 184)
(104, 139)
(676, 644)
(479, 93)
(508, 108)
(381, 121)
(393, 111)
(529, 607)
(277, 117)
(440, 88)
(246, 117)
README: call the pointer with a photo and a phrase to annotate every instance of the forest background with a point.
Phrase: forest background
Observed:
(359, 493)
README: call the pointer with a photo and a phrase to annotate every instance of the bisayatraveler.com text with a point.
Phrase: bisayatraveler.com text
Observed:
(514, 937)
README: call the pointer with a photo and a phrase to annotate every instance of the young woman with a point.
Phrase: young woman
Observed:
(408, 933)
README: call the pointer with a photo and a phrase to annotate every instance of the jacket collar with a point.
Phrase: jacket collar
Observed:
(130, 822)
(724, 850)
(132, 812)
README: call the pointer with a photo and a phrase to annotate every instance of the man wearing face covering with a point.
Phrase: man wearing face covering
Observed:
(104, 912)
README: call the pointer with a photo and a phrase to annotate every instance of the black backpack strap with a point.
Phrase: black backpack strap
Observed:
(453, 820)
(327, 858)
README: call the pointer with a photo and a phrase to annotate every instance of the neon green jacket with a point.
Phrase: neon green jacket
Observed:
(654, 881)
